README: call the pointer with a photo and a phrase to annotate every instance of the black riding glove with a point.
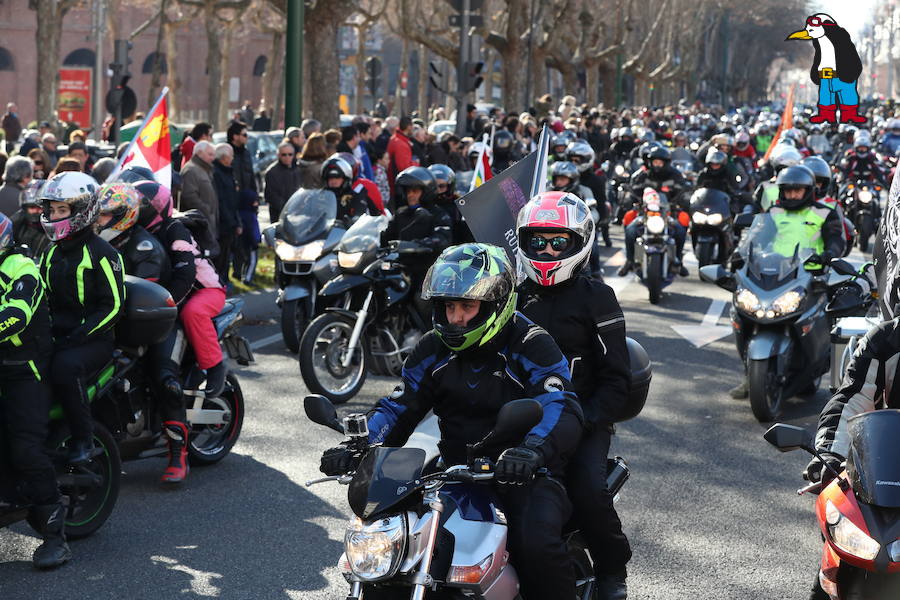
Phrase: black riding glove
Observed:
(817, 471)
(517, 466)
(337, 461)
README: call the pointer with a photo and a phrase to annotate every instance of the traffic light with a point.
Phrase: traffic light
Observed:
(473, 78)
(121, 65)
(373, 74)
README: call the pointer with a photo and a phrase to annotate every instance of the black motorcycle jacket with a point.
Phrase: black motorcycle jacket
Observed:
(621, 150)
(353, 203)
(868, 385)
(177, 242)
(24, 318)
(717, 179)
(431, 227)
(84, 279)
(145, 256)
(467, 389)
(668, 181)
(584, 317)
(596, 183)
(856, 167)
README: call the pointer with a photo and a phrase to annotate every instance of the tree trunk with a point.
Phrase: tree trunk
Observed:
(213, 64)
(270, 77)
(539, 74)
(50, 14)
(156, 77)
(514, 52)
(591, 84)
(361, 33)
(423, 82)
(323, 74)
(224, 84)
(172, 79)
(608, 73)
(570, 78)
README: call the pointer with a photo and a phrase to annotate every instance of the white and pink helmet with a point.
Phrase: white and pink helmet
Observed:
(77, 190)
(555, 212)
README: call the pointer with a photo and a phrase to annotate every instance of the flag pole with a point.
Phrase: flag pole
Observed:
(117, 171)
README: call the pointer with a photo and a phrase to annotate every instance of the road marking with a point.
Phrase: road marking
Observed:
(612, 279)
(262, 343)
(708, 331)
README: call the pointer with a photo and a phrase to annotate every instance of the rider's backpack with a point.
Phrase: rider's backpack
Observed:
(197, 223)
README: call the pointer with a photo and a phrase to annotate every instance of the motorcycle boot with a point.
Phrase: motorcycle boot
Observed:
(679, 267)
(177, 436)
(51, 519)
(215, 380)
(740, 391)
(625, 269)
(612, 587)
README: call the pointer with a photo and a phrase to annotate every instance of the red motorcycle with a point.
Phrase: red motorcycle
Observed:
(858, 511)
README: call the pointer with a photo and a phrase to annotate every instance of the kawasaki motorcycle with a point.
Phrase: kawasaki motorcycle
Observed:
(654, 250)
(711, 232)
(778, 315)
(439, 531)
(857, 512)
(370, 324)
(864, 210)
(303, 240)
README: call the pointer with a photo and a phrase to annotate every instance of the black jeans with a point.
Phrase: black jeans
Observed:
(69, 372)
(594, 511)
(223, 260)
(24, 416)
(537, 515)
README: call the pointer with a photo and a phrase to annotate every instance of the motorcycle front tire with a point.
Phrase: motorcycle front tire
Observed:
(654, 277)
(294, 319)
(305, 357)
(765, 396)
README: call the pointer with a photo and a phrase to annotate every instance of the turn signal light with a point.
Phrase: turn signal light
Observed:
(471, 574)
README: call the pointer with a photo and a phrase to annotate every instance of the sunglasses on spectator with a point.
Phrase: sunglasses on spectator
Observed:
(558, 243)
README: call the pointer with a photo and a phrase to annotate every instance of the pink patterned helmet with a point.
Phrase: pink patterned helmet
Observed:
(156, 204)
(554, 212)
(79, 191)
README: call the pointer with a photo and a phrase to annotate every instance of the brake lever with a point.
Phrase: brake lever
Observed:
(813, 488)
(344, 479)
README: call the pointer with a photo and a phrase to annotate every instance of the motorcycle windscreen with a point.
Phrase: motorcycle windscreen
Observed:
(708, 201)
(872, 465)
(382, 479)
(307, 216)
(771, 258)
(364, 235)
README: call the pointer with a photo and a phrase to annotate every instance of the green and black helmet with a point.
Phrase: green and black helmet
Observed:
(471, 272)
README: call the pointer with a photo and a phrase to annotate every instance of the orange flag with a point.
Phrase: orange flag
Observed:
(787, 120)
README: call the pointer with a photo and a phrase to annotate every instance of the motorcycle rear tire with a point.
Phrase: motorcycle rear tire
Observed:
(305, 357)
(765, 395)
(705, 253)
(107, 464)
(294, 319)
(227, 435)
(654, 277)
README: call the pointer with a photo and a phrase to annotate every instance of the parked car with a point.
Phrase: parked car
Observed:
(263, 149)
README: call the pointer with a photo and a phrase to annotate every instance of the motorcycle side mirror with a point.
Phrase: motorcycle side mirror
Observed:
(269, 236)
(514, 420)
(789, 437)
(841, 266)
(321, 411)
(743, 220)
(718, 275)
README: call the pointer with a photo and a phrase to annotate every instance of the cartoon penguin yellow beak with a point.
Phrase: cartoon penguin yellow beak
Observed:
(799, 35)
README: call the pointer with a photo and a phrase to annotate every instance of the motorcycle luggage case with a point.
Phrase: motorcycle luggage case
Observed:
(641, 374)
(149, 314)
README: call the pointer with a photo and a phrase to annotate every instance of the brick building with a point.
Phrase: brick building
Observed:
(18, 59)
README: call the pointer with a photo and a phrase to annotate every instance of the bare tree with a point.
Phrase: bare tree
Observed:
(367, 14)
(50, 14)
(323, 19)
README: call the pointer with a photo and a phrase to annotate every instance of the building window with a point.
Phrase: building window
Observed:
(259, 67)
(6, 60)
(82, 57)
(148, 63)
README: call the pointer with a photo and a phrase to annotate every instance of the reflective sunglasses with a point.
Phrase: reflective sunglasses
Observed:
(558, 243)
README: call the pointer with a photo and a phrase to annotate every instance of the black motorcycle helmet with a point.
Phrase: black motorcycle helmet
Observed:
(792, 178)
(337, 167)
(503, 144)
(564, 169)
(822, 171)
(444, 175)
(716, 159)
(644, 152)
(659, 153)
(135, 174)
(558, 147)
(415, 177)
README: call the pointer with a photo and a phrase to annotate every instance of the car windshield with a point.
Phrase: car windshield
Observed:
(770, 255)
(365, 234)
(307, 215)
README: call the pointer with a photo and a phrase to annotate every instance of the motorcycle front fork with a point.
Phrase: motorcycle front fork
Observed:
(357, 330)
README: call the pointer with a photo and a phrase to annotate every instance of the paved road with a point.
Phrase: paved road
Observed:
(710, 509)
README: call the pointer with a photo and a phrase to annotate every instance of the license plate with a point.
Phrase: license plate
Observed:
(238, 349)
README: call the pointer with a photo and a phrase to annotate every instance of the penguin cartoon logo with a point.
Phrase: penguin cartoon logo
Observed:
(836, 68)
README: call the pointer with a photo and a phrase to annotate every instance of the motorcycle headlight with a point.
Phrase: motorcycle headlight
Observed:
(375, 550)
(699, 218)
(747, 301)
(714, 219)
(349, 260)
(848, 537)
(865, 197)
(656, 224)
(788, 302)
(306, 252)
(620, 170)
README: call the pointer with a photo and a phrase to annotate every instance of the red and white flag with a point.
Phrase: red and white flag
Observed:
(151, 146)
(482, 165)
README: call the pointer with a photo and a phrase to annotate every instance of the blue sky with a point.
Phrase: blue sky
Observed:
(851, 15)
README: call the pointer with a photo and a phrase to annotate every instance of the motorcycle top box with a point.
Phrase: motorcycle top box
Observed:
(149, 314)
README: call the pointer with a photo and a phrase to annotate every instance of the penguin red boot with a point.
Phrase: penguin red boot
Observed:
(177, 471)
(848, 114)
(827, 114)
